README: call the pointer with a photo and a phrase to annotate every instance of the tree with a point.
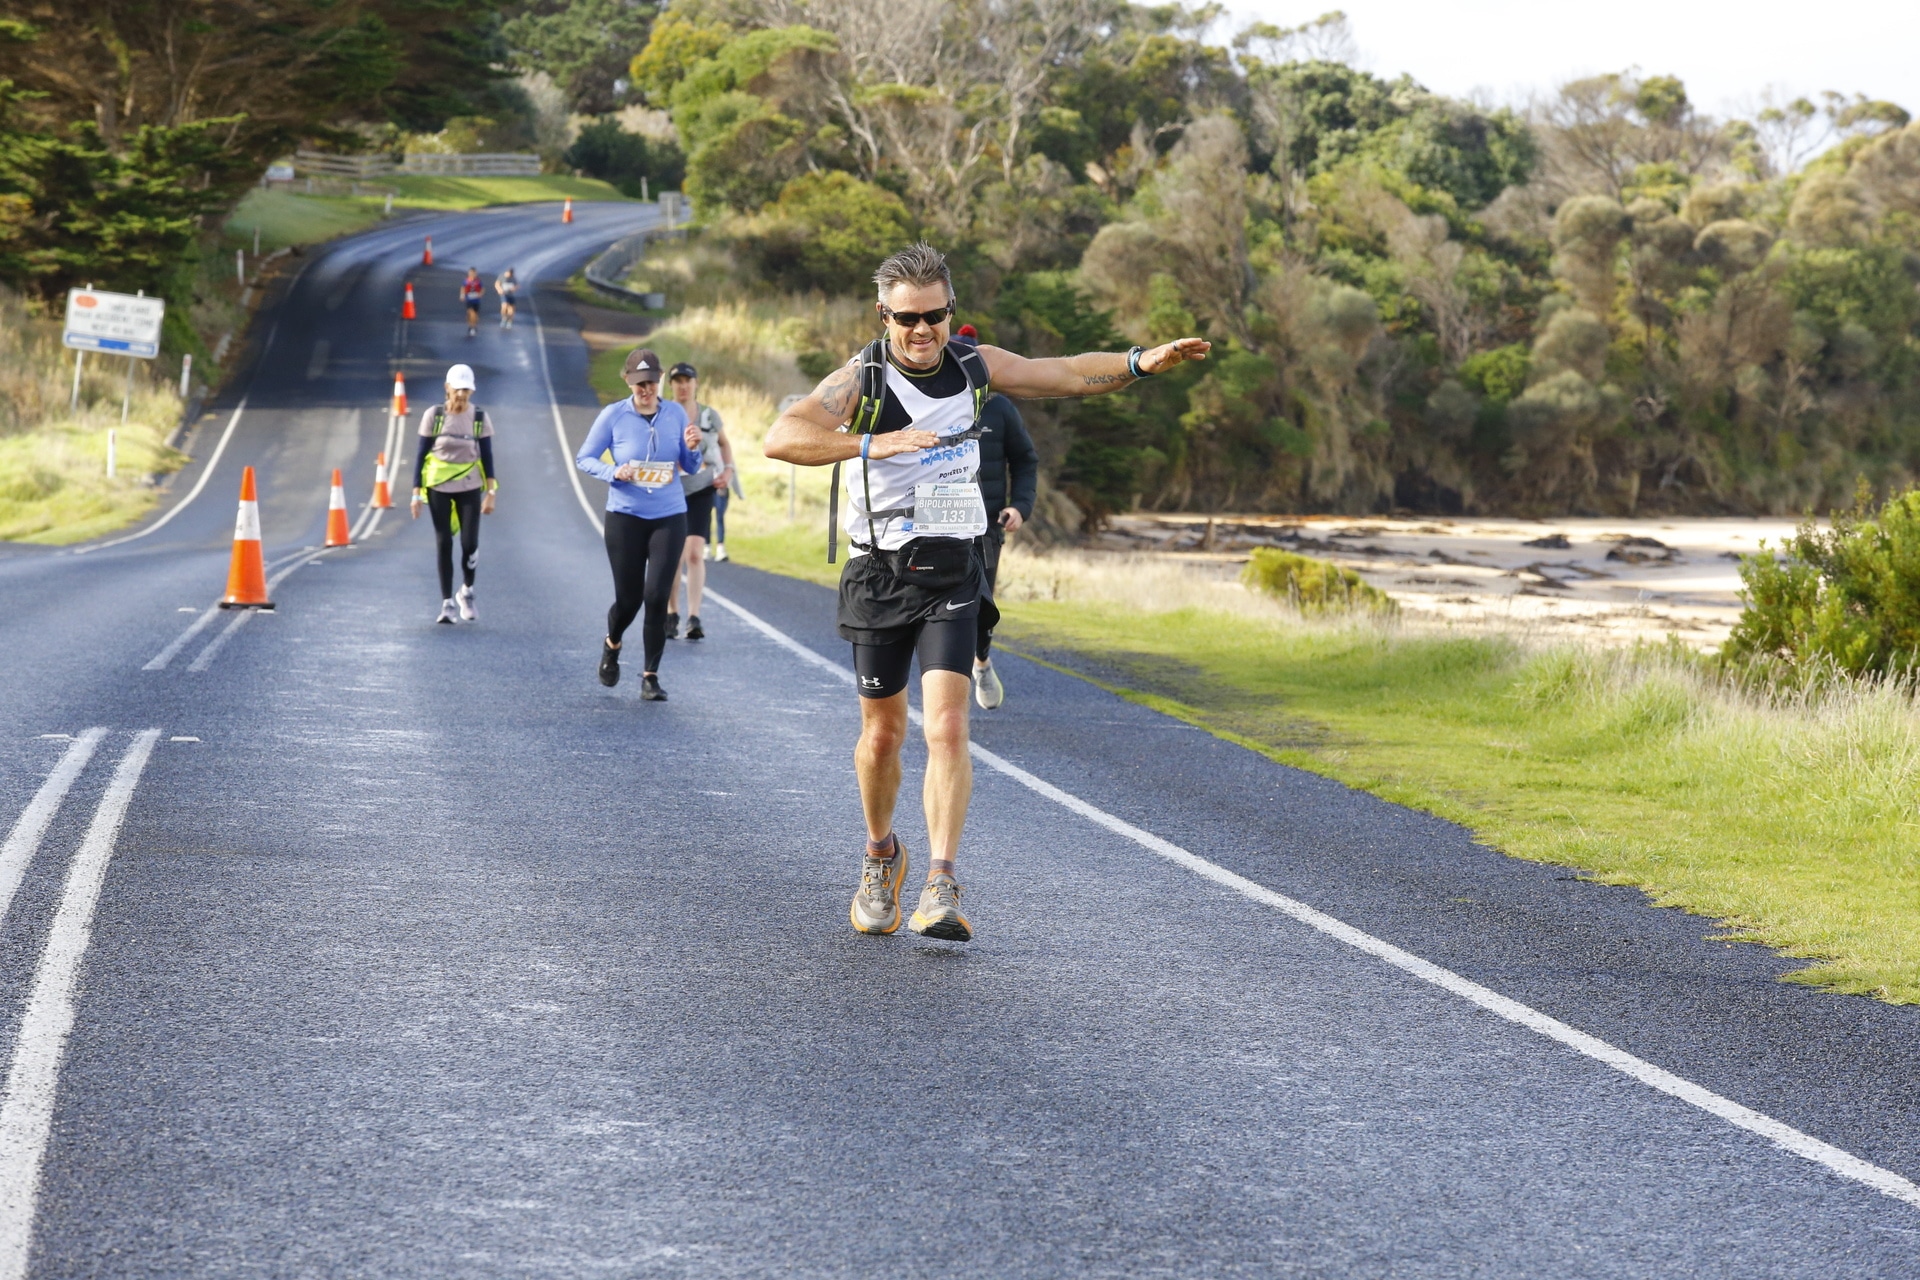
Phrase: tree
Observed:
(587, 46)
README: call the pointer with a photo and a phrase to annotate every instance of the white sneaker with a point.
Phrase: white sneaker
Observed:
(719, 551)
(448, 614)
(464, 598)
(987, 689)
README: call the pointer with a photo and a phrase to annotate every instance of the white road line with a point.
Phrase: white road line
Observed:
(560, 427)
(1830, 1157)
(219, 642)
(160, 660)
(26, 1117)
(24, 840)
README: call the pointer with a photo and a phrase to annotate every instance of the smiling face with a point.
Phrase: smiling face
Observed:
(646, 396)
(921, 345)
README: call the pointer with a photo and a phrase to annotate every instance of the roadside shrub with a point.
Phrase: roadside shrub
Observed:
(1845, 600)
(606, 151)
(827, 231)
(1312, 586)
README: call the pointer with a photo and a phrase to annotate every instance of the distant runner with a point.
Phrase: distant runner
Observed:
(506, 286)
(703, 488)
(905, 414)
(453, 476)
(471, 292)
(1009, 479)
(651, 443)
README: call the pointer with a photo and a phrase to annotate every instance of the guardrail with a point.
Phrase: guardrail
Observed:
(477, 165)
(607, 271)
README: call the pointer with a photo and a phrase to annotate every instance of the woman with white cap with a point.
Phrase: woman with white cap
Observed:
(453, 477)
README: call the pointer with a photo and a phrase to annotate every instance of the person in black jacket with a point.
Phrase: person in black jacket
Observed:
(1009, 476)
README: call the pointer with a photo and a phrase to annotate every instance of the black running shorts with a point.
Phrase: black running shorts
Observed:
(700, 513)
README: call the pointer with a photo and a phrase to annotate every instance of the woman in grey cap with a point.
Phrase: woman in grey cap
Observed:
(704, 490)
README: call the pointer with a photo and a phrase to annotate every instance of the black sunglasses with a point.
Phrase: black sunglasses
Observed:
(912, 319)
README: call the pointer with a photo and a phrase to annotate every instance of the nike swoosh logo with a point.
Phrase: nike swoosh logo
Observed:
(963, 604)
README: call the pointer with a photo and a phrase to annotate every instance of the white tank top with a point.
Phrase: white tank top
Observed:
(894, 481)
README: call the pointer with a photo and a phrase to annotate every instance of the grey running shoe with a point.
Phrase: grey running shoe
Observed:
(938, 915)
(449, 613)
(876, 904)
(987, 689)
(464, 598)
(673, 625)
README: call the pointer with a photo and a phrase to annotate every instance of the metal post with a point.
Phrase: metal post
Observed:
(389, 212)
(126, 396)
(256, 239)
(643, 187)
(79, 358)
(240, 266)
(109, 453)
(186, 374)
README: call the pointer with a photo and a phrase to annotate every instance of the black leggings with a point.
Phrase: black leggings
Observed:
(645, 555)
(442, 507)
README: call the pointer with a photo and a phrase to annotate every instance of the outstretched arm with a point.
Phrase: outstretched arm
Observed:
(1090, 374)
(809, 432)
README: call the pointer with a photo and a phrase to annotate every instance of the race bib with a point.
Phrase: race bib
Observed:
(951, 509)
(651, 475)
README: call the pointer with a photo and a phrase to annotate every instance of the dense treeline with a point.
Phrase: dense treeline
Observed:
(1609, 303)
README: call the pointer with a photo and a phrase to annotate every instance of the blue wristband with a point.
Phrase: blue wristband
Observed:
(1133, 363)
(865, 442)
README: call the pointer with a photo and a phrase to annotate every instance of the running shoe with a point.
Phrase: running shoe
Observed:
(449, 613)
(987, 689)
(938, 915)
(694, 630)
(470, 331)
(720, 551)
(673, 626)
(650, 690)
(876, 903)
(464, 598)
(609, 665)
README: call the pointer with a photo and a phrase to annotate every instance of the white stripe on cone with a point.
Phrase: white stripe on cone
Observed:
(247, 527)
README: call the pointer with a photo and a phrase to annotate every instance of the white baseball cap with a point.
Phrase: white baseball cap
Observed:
(460, 378)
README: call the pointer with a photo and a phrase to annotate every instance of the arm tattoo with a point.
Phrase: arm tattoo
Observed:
(1106, 379)
(837, 393)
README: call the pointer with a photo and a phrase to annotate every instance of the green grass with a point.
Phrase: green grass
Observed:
(289, 217)
(1792, 824)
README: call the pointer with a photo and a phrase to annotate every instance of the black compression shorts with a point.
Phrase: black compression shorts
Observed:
(942, 644)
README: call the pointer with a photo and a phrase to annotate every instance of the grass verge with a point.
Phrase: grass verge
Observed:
(1791, 822)
(287, 217)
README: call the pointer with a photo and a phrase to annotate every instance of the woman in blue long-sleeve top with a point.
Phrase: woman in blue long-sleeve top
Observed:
(651, 443)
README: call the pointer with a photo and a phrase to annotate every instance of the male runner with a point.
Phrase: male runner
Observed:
(507, 287)
(471, 292)
(914, 582)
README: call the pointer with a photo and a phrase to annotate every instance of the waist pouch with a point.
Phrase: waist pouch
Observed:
(882, 592)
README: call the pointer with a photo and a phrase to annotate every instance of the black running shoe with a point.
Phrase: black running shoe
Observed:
(609, 665)
(694, 629)
(650, 690)
(673, 626)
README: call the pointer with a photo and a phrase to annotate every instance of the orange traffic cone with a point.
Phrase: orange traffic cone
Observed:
(426, 259)
(337, 534)
(247, 574)
(382, 496)
(406, 308)
(566, 214)
(400, 392)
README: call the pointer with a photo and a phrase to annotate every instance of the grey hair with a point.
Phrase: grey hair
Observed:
(917, 265)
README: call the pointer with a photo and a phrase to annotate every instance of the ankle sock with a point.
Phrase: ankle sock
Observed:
(941, 867)
(884, 849)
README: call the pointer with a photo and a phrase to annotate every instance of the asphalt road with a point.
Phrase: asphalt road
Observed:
(405, 950)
